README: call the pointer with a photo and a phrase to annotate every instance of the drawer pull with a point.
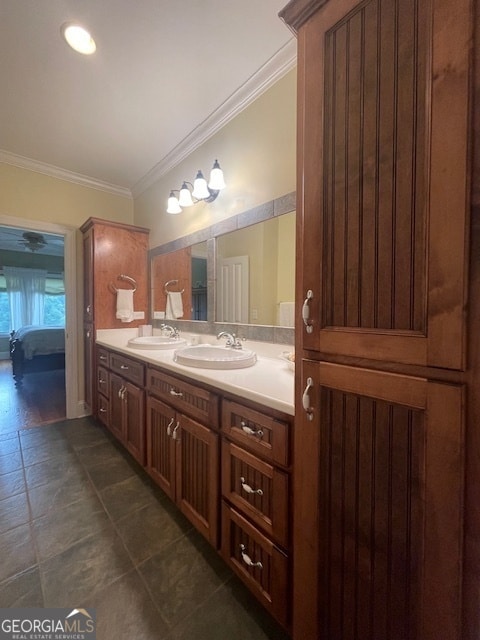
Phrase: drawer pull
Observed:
(251, 432)
(100, 381)
(177, 394)
(124, 367)
(169, 427)
(248, 489)
(247, 560)
(306, 399)
(306, 312)
(104, 358)
(102, 410)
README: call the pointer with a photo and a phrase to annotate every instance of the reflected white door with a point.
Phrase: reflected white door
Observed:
(232, 290)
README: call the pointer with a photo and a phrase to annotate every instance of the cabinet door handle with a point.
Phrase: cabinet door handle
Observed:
(88, 308)
(247, 560)
(88, 334)
(174, 432)
(124, 367)
(306, 399)
(120, 391)
(306, 312)
(251, 432)
(169, 427)
(102, 410)
(103, 358)
(248, 489)
(177, 394)
(100, 381)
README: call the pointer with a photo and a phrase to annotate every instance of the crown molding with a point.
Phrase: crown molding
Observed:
(62, 174)
(273, 70)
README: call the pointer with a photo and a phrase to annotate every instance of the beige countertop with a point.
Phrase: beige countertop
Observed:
(269, 381)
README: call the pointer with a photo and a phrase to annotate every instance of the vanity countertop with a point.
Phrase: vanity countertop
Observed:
(269, 381)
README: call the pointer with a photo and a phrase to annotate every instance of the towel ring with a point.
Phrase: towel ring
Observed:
(123, 277)
(171, 282)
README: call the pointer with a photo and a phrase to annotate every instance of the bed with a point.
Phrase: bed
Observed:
(36, 349)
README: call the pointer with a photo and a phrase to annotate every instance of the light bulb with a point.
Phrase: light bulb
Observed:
(173, 205)
(79, 38)
(216, 178)
(200, 189)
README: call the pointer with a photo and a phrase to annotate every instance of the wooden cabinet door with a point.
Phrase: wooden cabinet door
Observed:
(197, 476)
(88, 267)
(89, 348)
(134, 416)
(384, 179)
(161, 421)
(377, 506)
(117, 389)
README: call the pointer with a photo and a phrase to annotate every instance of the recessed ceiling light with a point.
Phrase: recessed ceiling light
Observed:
(78, 38)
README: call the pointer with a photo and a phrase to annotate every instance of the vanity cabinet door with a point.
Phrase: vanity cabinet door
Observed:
(103, 410)
(197, 457)
(134, 421)
(116, 426)
(161, 422)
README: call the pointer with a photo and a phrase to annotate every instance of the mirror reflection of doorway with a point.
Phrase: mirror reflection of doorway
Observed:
(233, 290)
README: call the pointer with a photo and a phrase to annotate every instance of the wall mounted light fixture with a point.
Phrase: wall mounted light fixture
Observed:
(201, 191)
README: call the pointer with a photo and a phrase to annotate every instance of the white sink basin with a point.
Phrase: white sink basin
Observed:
(209, 356)
(155, 342)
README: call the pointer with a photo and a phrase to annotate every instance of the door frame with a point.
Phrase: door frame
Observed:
(75, 407)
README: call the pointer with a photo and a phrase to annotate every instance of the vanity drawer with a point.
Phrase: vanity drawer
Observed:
(195, 402)
(102, 356)
(257, 561)
(257, 489)
(257, 431)
(103, 410)
(128, 368)
(103, 381)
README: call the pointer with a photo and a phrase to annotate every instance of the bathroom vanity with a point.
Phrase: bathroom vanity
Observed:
(218, 442)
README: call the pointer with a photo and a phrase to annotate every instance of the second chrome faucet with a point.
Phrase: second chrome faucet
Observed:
(232, 340)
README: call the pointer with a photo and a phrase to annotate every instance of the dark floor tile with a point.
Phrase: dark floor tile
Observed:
(65, 466)
(44, 451)
(110, 472)
(125, 611)
(13, 512)
(9, 446)
(183, 575)
(88, 566)
(16, 551)
(57, 494)
(6, 435)
(12, 483)
(148, 530)
(23, 590)
(10, 462)
(231, 612)
(99, 453)
(38, 436)
(59, 530)
(84, 433)
(123, 498)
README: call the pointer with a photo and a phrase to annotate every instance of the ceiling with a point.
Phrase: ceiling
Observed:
(165, 76)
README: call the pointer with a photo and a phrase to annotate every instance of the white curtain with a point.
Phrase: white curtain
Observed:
(26, 295)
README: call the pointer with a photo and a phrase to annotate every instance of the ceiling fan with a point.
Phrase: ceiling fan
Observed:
(33, 241)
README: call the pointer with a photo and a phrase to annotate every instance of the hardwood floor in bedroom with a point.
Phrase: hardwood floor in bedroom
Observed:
(40, 399)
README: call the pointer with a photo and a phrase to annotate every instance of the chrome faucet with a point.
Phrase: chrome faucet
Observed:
(232, 340)
(173, 331)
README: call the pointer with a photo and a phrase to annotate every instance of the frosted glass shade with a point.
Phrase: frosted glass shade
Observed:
(185, 197)
(200, 189)
(216, 178)
(173, 205)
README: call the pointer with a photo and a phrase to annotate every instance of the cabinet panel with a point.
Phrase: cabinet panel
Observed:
(257, 561)
(160, 445)
(256, 431)
(379, 472)
(197, 476)
(103, 410)
(188, 398)
(103, 383)
(385, 180)
(256, 488)
(116, 425)
(130, 369)
(134, 419)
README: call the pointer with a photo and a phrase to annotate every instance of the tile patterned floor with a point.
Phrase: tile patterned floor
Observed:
(81, 524)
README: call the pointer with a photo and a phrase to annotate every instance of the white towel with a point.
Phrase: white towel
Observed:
(174, 308)
(125, 305)
(286, 314)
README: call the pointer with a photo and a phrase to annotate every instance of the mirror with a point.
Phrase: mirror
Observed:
(184, 272)
(265, 237)
(255, 269)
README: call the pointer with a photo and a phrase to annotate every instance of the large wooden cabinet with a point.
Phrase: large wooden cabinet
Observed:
(383, 227)
(110, 249)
